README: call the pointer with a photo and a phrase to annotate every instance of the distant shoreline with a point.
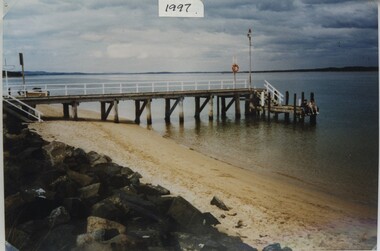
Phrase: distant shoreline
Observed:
(327, 69)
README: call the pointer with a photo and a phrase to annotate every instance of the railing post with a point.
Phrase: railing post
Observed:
(137, 87)
(121, 88)
(222, 87)
(66, 90)
(167, 86)
(103, 88)
(182, 86)
(209, 85)
(152, 86)
(85, 89)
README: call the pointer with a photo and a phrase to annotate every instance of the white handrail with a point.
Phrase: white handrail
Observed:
(276, 94)
(39, 114)
(129, 87)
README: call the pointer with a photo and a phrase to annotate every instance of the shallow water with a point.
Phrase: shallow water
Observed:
(339, 155)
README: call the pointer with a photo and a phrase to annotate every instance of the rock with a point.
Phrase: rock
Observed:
(239, 224)
(95, 158)
(56, 152)
(126, 171)
(105, 209)
(219, 203)
(64, 188)
(118, 181)
(96, 223)
(210, 219)
(211, 245)
(149, 189)
(90, 191)
(18, 238)
(58, 216)
(12, 202)
(187, 215)
(273, 247)
(287, 249)
(75, 207)
(135, 178)
(62, 237)
(81, 179)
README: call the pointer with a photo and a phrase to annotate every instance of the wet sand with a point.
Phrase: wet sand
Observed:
(271, 209)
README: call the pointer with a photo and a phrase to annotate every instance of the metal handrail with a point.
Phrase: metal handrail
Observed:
(39, 114)
(130, 87)
(276, 93)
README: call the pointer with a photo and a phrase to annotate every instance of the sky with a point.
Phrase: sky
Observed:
(128, 35)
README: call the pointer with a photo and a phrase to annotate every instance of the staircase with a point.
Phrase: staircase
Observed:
(277, 97)
(21, 110)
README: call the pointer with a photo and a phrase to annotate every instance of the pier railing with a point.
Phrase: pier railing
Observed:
(24, 108)
(125, 87)
(276, 94)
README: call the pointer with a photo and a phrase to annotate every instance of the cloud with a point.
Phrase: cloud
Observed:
(119, 35)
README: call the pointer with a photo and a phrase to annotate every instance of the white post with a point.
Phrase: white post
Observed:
(209, 85)
(221, 84)
(66, 90)
(121, 88)
(85, 89)
(103, 88)
(167, 86)
(137, 87)
(152, 86)
(182, 86)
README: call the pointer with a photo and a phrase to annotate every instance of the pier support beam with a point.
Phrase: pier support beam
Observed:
(168, 109)
(211, 111)
(139, 110)
(74, 107)
(116, 111)
(286, 103)
(148, 112)
(198, 107)
(181, 113)
(66, 110)
(104, 111)
(313, 116)
(237, 106)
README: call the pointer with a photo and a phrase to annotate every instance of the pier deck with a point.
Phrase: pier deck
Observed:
(261, 102)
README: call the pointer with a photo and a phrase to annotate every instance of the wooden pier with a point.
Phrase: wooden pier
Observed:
(258, 102)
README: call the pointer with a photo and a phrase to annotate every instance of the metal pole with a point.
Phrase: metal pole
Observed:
(250, 58)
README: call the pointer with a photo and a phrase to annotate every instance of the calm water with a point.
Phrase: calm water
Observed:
(338, 156)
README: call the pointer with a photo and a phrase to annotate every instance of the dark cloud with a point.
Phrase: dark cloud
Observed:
(119, 35)
(275, 5)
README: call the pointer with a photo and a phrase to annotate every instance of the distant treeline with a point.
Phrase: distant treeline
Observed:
(327, 69)
(12, 74)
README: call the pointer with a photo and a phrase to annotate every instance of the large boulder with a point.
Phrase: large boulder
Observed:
(56, 152)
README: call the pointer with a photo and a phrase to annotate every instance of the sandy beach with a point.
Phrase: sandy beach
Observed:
(271, 209)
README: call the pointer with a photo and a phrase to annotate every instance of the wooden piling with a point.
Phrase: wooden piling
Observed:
(103, 111)
(224, 113)
(116, 111)
(148, 112)
(197, 107)
(181, 113)
(167, 110)
(74, 106)
(137, 111)
(211, 110)
(313, 117)
(66, 112)
(287, 103)
(237, 106)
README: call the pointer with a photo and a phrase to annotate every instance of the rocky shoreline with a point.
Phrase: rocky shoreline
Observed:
(58, 197)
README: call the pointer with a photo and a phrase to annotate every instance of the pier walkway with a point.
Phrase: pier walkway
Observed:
(261, 102)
